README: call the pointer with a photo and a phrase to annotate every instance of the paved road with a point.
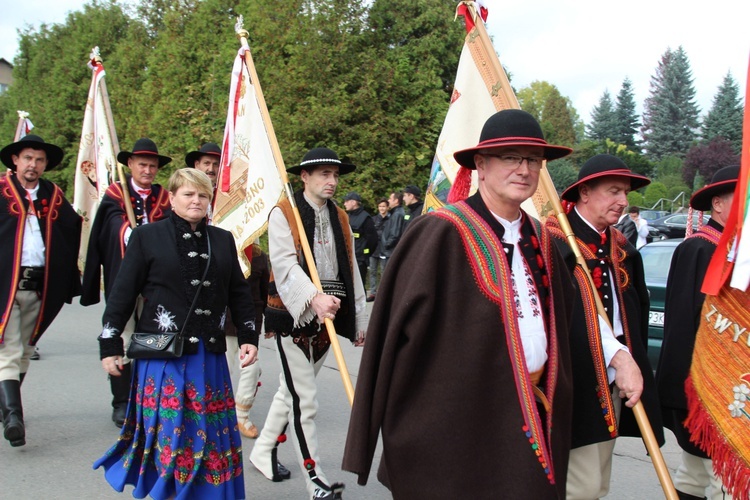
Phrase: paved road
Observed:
(66, 403)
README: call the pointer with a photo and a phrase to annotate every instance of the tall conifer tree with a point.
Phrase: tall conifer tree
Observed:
(725, 117)
(603, 120)
(626, 119)
(670, 117)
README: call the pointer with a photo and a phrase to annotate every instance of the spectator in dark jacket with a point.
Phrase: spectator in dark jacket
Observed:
(413, 204)
(363, 229)
(394, 227)
(379, 220)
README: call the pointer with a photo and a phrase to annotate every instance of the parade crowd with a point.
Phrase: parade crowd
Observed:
(481, 314)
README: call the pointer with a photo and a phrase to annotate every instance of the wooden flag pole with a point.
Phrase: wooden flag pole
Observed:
(120, 174)
(548, 199)
(649, 439)
(242, 34)
(22, 115)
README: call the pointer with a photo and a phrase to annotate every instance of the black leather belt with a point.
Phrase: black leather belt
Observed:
(31, 278)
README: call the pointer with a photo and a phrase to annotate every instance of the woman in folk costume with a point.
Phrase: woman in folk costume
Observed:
(180, 437)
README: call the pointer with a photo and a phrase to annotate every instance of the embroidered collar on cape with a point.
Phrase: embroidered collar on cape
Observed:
(491, 272)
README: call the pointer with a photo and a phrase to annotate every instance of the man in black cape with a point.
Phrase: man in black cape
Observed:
(611, 371)
(41, 234)
(682, 308)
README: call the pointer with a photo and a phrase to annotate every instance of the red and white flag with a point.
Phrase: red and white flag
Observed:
(480, 90)
(249, 185)
(24, 126)
(97, 153)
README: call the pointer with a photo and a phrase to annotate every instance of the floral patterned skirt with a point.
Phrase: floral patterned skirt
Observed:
(180, 436)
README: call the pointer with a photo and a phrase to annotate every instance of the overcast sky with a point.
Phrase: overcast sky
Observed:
(584, 47)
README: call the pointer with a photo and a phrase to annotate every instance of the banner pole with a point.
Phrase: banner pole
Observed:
(549, 197)
(243, 34)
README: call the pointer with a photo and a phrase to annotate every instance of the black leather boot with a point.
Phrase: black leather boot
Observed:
(10, 402)
(120, 393)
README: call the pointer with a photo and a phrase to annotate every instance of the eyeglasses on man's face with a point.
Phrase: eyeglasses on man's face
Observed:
(514, 161)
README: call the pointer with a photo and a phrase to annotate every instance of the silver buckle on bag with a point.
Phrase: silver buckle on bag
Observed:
(27, 273)
(22, 283)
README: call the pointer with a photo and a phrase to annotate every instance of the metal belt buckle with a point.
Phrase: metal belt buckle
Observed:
(22, 283)
(27, 272)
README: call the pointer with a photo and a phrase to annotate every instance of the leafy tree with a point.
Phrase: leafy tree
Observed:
(563, 173)
(670, 118)
(603, 120)
(534, 100)
(705, 159)
(53, 89)
(725, 117)
(635, 199)
(557, 123)
(626, 119)
(654, 192)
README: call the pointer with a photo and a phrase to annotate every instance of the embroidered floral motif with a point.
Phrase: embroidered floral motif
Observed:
(195, 282)
(108, 332)
(164, 319)
(192, 254)
(187, 236)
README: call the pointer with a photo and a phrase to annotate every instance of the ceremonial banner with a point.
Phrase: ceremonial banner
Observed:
(24, 126)
(249, 185)
(97, 153)
(480, 90)
(718, 388)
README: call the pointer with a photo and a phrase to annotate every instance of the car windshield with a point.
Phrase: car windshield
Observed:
(656, 261)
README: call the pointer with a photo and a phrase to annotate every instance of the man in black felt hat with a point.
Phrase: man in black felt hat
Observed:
(41, 233)
(611, 371)
(206, 159)
(296, 311)
(109, 237)
(695, 477)
(466, 370)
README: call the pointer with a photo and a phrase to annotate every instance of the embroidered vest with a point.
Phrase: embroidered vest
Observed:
(278, 319)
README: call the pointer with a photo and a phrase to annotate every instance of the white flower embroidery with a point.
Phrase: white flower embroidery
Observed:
(195, 282)
(741, 392)
(198, 234)
(192, 254)
(204, 256)
(193, 340)
(187, 236)
(164, 319)
(108, 332)
(735, 408)
(206, 283)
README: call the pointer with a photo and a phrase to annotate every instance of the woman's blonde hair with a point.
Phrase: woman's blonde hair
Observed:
(192, 176)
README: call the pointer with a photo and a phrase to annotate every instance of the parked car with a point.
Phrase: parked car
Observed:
(650, 215)
(672, 226)
(657, 257)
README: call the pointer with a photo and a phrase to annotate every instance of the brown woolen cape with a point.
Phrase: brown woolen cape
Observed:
(436, 378)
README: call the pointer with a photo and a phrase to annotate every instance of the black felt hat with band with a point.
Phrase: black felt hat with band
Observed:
(510, 127)
(143, 147)
(54, 153)
(321, 156)
(604, 165)
(722, 182)
(208, 148)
